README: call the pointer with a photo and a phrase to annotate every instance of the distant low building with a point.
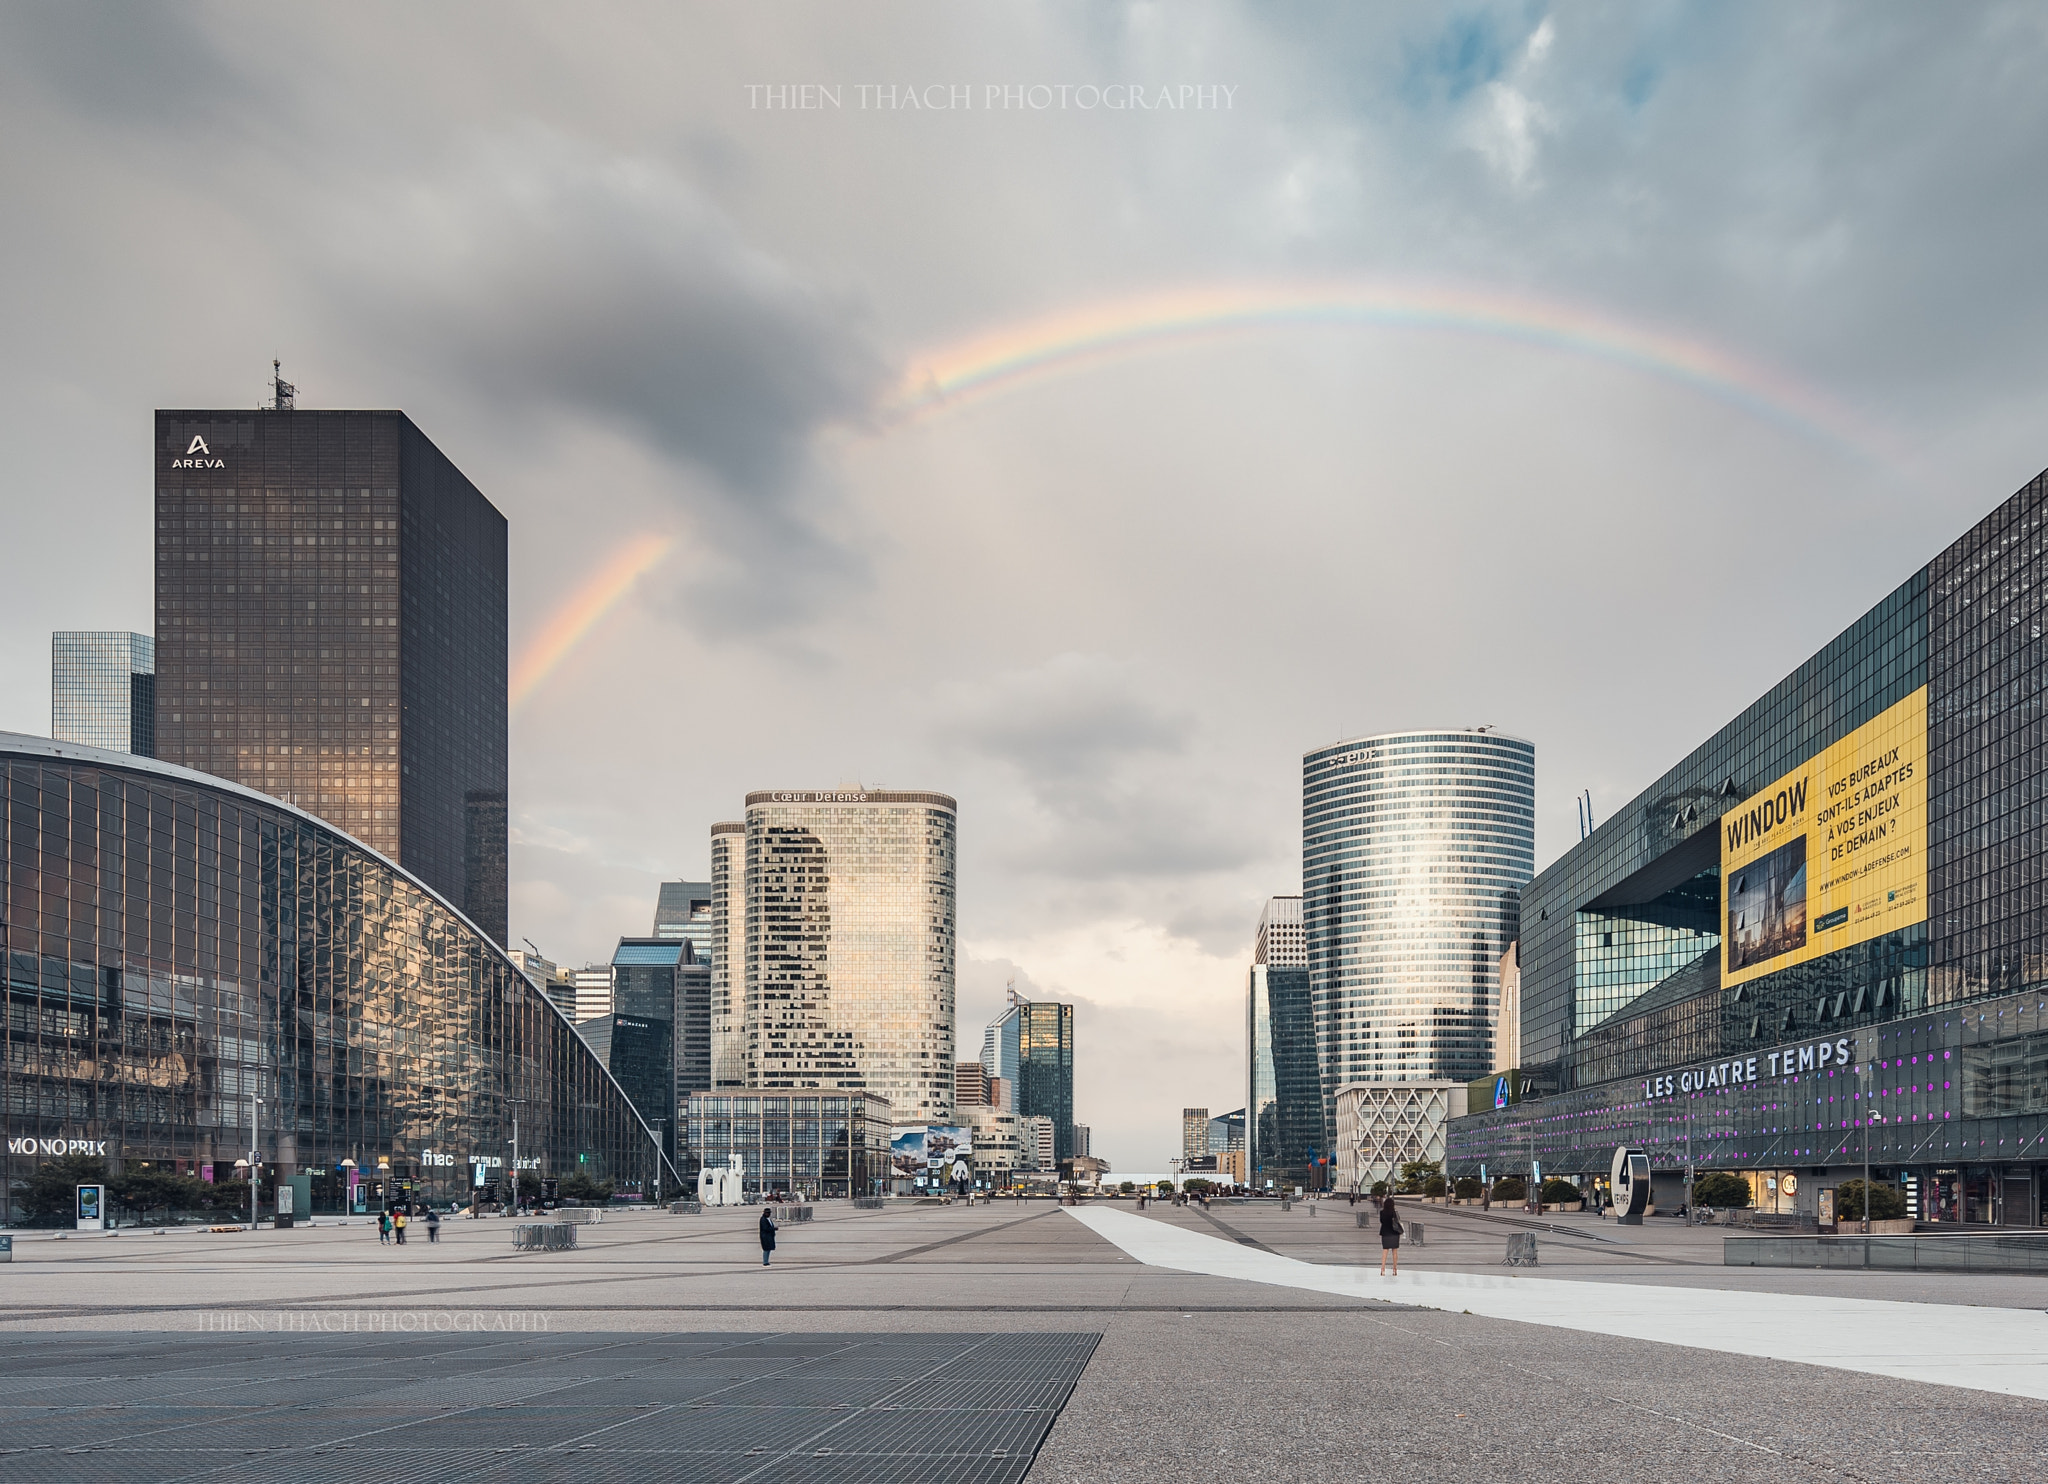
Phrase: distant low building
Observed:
(997, 1151)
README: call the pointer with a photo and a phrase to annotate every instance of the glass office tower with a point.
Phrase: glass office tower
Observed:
(330, 609)
(1031, 1047)
(1283, 1094)
(1415, 848)
(645, 1025)
(683, 910)
(178, 947)
(103, 690)
(849, 945)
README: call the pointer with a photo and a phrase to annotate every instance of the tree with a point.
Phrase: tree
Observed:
(1719, 1188)
(50, 1195)
(1509, 1188)
(1558, 1192)
(1434, 1186)
(1128, 1188)
(228, 1196)
(1379, 1187)
(1416, 1173)
(577, 1186)
(1197, 1187)
(1887, 1202)
(1469, 1189)
(153, 1189)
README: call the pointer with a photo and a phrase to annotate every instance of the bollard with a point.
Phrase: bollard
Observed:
(1521, 1250)
(1364, 1222)
(1413, 1234)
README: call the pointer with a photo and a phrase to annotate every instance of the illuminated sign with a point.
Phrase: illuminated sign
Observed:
(1832, 854)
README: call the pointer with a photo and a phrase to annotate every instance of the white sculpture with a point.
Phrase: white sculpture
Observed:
(725, 1186)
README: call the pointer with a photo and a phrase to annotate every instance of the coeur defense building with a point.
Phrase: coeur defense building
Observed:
(1826, 925)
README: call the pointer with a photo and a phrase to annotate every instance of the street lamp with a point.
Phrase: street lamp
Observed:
(660, 1154)
(253, 1163)
(515, 1104)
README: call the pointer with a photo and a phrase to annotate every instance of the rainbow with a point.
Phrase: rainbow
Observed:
(582, 611)
(1020, 354)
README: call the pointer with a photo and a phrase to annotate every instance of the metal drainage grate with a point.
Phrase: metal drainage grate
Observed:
(708, 1408)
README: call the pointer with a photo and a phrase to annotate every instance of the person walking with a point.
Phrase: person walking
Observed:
(398, 1225)
(767, 1235)
(433, 1226)
(384, 1228)
(1390, 1236)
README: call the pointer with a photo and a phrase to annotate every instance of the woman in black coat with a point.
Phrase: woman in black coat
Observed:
(767, 1236)
(1390, 1236)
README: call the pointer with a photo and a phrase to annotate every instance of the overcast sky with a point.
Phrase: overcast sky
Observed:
(1109, 606)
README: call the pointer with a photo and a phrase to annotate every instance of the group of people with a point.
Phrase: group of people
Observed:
(393, 1221)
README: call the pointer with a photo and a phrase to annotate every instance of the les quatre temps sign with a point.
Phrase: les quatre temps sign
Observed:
(1833, 853)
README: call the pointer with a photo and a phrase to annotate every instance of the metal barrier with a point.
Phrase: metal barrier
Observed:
(581, 1215)
(868, 1203)
(686, 1208)
(549, 1237)
(786, 1214)
(1521, 1250)
(1989, 1252)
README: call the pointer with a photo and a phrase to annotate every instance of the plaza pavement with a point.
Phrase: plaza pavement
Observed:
(1218, 1374)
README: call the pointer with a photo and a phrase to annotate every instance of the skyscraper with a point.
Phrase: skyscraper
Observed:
(652, 1020)
(330, 608)
(103, 690)
(1415, 847)
(1283, 1095)
(849, 945)
(1031, 1047)
(1194, 1132)
(728, 954)
(683, 910)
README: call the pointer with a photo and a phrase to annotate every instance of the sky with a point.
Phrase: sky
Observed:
(1084, 410)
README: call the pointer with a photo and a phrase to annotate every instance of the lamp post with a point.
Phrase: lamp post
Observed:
(348, 1187)
(660, 1127)
(254, 1161)
(515, 1104)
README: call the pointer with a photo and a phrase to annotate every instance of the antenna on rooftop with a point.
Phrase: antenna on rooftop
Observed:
(284, 396)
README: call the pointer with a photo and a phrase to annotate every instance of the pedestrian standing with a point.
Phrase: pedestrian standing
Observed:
(433, 1226)
(767, 1236)
(384, 1228)
(1390, 1236)
(398, 1225)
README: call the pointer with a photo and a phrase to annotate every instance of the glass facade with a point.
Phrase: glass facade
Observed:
(1031, 1047)
(828, 1145)
(683, 910)
(850, 946)
(728, 955)
(185, 956)
(331, 631)
(1283, 1094)
(1950, 1012)
(1415, 847)
(103, 690)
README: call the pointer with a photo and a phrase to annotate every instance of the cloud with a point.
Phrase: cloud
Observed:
(1509, 121)
(1108, 785)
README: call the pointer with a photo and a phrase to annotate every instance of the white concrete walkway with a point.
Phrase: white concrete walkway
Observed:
(2002, 1350)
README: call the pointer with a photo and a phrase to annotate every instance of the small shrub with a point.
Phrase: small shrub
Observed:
(1379, 1187)
(1558, 1192)
(1127, 1188)
(1469, 1189)
(1887, 1202)
(1719, 1188)
(1434, 1185)
(1510, 1188)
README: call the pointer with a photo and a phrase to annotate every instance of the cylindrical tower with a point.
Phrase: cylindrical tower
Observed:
(1415, 848)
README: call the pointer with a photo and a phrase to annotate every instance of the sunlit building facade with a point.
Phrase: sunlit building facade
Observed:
(849, 946)
(1030, 1050)
(1415, 848)
(827, 1145)
(192, 966)
(728, 955)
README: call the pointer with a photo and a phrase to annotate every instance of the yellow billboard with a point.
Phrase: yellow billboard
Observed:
(1833, 853)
